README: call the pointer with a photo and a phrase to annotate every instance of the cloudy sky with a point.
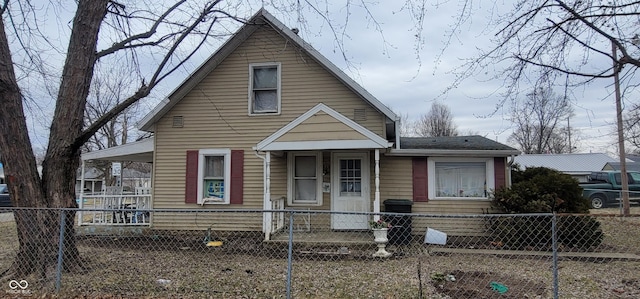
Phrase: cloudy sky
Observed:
(409, 85)
(406, 76)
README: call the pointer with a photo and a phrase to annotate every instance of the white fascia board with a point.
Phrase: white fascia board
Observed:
(372, 137)
(321, 145)
(448, 153)
(138, 147)
(146, 124)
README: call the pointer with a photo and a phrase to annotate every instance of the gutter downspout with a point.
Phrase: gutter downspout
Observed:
(266, 190)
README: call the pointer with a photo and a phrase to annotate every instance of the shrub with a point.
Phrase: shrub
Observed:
(544, 190)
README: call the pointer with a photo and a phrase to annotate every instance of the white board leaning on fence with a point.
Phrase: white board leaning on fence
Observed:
(433, 236)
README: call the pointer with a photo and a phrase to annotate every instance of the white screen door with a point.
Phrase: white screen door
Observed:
(350, 190)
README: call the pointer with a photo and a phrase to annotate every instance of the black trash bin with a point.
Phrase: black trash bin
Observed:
(400, 234)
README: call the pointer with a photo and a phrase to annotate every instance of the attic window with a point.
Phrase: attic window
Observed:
(360, 114)
(178, 121)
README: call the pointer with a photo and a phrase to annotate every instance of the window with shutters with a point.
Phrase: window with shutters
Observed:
(264, 88)
(466, 178)
(305, 178)
(214, 173)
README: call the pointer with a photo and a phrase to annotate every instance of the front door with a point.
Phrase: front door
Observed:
(350, 190)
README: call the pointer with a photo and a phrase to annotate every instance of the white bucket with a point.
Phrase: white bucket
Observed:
(433, 236)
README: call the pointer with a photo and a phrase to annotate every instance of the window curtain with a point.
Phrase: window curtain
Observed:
(460, 179)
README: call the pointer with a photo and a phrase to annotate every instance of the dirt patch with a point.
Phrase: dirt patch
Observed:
(475, 284)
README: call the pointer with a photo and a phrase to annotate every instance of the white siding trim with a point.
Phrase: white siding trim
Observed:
(320, 145)
(226, 153)
(290, 184)
(374, 141)
(252, 66)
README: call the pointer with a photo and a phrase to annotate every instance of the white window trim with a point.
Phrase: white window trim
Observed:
(278, 92)
(431, 171)
(226, 153)
(290, 178)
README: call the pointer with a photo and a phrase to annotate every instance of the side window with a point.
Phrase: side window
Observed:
(214, 172)
(264, 88)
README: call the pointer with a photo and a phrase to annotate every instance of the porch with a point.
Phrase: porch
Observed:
(113, 205)
(115, 208)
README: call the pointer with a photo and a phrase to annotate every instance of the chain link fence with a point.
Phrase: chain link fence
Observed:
(319, 254)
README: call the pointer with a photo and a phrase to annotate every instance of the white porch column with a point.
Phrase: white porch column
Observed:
(81, 203)
(376, 200)
(267, 205)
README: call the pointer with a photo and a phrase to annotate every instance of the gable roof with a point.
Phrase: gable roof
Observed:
(261, 17)
(583, 163)
(368, 139)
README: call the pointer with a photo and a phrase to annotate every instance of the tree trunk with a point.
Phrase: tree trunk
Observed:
(21, 172)
(63, 152)
(38, 230)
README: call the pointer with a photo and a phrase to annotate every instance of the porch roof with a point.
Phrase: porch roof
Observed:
(139, 151)
(309, 132)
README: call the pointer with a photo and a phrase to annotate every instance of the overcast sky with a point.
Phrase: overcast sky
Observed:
(407, 80)
(409, 85)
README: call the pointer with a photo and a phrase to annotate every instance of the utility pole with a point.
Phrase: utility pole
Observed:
(623, 164)
(569, 134)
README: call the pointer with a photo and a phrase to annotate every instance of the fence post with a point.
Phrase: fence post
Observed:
(60, 249)
(554, 245)
(290, 255)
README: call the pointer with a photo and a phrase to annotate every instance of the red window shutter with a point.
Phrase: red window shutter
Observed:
(420, 182)
(499, 170)
(191, 180)
(237, 176)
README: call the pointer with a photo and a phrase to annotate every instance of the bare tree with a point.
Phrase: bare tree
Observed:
(169, 32)
(632, 125)
(574, 41)
(436, 123)
(538, 123)
(406, 126)
(109, 87)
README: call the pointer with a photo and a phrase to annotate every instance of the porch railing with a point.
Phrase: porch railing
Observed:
(277, 218)
(120, 209)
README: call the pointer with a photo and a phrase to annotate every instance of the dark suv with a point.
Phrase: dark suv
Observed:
(4, 196)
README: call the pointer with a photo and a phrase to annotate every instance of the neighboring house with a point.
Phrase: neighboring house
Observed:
(93, 180)
(268, 123)
(579, 166)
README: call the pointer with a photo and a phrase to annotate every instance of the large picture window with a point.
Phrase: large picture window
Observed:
(466, 178)
(305, 178)
(264, 88)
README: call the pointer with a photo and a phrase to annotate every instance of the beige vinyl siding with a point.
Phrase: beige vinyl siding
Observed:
(216, 115)
(396, 181)
(321, 126)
